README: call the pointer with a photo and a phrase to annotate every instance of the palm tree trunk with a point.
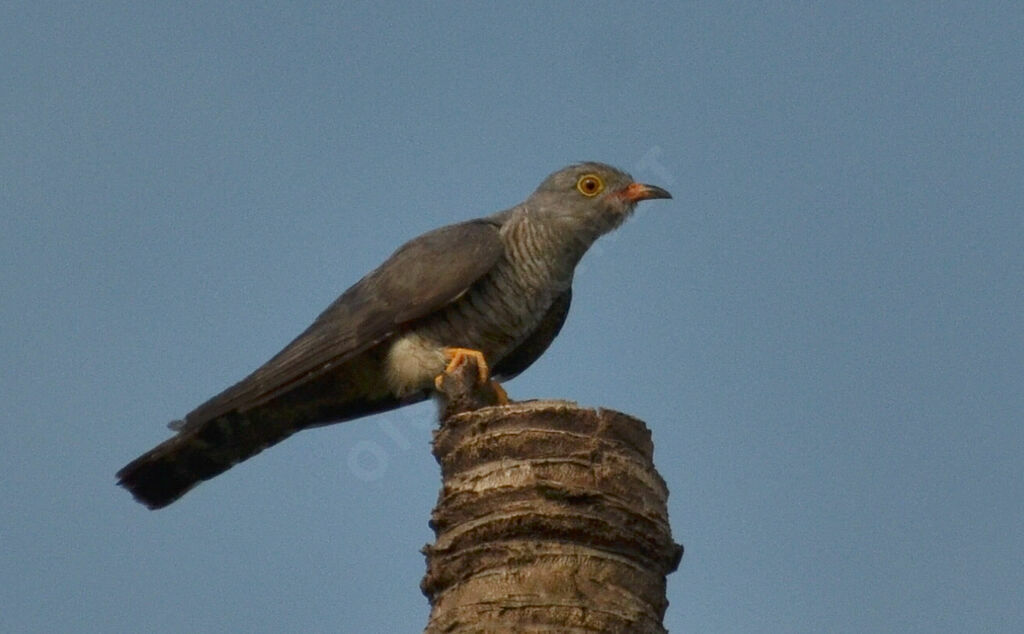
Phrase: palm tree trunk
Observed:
(551, 518)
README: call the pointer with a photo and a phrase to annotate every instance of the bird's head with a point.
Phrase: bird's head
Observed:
(593, 198)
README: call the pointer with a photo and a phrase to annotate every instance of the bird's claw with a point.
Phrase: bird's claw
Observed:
(457, 358)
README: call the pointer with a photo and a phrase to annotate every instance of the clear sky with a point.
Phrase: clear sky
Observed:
(822, 329)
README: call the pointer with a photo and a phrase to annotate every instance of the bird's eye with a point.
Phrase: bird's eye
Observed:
(590, 185)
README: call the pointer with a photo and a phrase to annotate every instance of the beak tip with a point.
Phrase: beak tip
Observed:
(635, 192)
(653, 191)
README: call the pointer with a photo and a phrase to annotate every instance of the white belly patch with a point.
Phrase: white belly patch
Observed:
(412, 364)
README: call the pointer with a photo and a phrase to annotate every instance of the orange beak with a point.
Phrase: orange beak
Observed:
(635, 192)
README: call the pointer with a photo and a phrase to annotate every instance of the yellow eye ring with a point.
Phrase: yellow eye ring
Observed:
(590, 185)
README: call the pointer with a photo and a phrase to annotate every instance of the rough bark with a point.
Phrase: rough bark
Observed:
(551, 518)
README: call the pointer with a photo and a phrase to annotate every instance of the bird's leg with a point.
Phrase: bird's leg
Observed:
(458, 357)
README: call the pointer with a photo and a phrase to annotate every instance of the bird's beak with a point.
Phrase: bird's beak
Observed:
(635, 192)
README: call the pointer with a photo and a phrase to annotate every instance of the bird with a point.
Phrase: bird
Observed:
(494, 289)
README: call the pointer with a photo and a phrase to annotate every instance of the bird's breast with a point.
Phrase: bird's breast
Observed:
(494, 315)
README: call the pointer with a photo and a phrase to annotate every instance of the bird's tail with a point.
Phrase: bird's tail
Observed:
(200, 451)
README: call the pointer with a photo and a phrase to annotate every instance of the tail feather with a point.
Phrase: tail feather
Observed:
(198, 452)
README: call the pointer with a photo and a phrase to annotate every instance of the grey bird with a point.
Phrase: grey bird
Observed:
(496, 288)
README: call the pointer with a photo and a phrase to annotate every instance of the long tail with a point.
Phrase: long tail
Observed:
(199, 452)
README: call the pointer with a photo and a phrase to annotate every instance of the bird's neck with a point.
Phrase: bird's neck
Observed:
(544, 248)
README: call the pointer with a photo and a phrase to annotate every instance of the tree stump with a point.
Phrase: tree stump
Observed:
(551, 518)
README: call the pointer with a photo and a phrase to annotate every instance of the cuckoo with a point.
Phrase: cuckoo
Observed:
(496, 289)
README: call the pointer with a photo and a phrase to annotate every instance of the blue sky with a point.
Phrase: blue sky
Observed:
(822, 328)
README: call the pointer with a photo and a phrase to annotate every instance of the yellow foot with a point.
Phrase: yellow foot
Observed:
(492, 392)
(458, 356)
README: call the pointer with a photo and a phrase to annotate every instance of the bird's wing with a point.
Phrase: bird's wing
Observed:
(422, 276)
(534, 345)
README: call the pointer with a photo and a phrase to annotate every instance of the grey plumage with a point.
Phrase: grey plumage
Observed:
(500, 285)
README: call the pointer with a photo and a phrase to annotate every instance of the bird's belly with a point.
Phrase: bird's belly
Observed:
(412, 363)
(493, 316)
(416, 357)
